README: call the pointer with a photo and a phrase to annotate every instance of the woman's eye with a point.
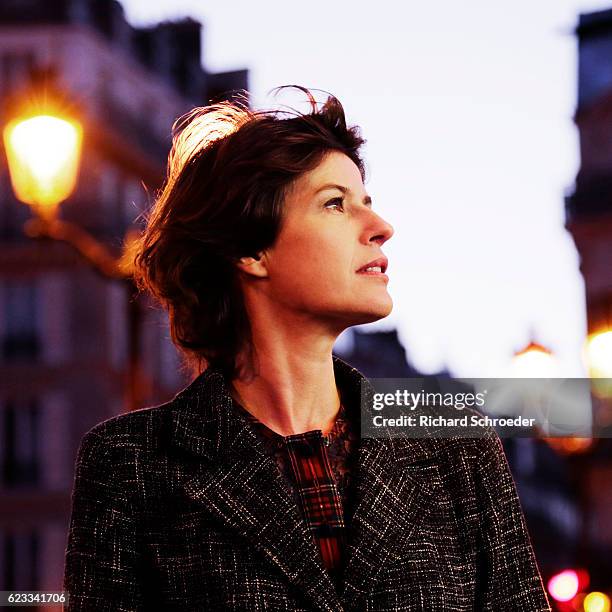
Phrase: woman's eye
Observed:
(335, 202)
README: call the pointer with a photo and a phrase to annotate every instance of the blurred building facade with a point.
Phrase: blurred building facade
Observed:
(589, 219)
(589, 207)
(63, 328)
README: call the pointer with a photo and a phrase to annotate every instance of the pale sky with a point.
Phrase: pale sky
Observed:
(467, 108)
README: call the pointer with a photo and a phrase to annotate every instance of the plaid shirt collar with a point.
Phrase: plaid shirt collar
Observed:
(269, 433)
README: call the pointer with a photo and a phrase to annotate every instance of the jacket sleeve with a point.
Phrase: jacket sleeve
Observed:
(509, 578)
(102, 556)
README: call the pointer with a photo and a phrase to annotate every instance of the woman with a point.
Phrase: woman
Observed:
(251, 489)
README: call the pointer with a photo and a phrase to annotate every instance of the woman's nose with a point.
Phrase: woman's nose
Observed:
(379, 230)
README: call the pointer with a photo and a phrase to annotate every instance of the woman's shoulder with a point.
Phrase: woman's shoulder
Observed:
(137, 430)
(118, 457)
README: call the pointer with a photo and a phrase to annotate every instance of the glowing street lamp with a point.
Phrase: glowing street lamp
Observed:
(537, 361)
(43, 155)
(534, 361)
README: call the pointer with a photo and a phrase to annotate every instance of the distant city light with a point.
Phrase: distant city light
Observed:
(564, 585)
(598, 355)
(569, 445)
(596, 602)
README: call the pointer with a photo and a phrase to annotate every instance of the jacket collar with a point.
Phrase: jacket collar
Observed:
(206, 423)
(242, 485)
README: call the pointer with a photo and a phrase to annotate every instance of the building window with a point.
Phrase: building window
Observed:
(21, 340)
(20, 444)
(19, 553)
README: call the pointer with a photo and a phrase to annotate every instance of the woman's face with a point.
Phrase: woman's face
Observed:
(330, 233)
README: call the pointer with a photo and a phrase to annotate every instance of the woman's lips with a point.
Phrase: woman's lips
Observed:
(380, 263)
(377, 272)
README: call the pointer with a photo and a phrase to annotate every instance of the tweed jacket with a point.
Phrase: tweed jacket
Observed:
(179, 507)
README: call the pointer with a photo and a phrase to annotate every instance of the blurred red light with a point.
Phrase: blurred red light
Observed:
(564, 585)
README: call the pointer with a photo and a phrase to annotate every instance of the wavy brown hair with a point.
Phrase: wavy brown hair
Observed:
(228, 172)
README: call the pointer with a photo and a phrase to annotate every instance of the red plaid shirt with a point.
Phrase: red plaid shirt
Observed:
(318, 468)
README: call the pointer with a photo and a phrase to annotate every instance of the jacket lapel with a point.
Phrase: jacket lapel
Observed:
(244, 488)
(393, 491)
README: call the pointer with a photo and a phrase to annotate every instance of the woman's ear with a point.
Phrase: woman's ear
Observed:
(254, 265)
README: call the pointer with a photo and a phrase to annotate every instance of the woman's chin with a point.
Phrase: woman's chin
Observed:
(375, 311)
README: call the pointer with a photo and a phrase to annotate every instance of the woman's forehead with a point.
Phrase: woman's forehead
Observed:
(336, 170)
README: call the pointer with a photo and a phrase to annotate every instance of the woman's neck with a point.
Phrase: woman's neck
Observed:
(289, 382)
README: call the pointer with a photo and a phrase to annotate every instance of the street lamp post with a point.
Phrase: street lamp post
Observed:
(43, 153)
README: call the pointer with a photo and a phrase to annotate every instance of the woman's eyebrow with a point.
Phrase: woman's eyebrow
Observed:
(366, 199)
(332, 186)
